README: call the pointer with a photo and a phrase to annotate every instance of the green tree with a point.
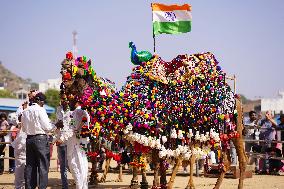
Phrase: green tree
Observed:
(34, 85)
(6, 94)
(52, 97)
(53, 100)
(52, 116)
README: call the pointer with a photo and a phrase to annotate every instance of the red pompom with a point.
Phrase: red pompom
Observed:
(67, 76)
(84, 119)
(237, 135)
(69, 56)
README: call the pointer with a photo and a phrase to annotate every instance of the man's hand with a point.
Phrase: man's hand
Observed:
(244, 132)
(59, 124)
(269, 117)
(59, 142)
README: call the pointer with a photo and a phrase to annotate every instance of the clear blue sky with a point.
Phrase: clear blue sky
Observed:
(247, 37)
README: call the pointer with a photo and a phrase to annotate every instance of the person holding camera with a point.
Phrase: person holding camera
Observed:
(267, 133)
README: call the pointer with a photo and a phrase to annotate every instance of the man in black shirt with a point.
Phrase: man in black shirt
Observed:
(274, 164)
(281, 128)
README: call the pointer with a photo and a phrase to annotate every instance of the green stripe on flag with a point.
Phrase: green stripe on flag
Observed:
(171, 27)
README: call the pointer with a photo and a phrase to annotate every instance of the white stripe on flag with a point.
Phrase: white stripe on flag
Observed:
(171, 16)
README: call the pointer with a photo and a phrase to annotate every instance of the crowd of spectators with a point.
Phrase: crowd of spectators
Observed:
(263, 138)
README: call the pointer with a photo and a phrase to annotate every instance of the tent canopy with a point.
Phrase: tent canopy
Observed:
(12, 104)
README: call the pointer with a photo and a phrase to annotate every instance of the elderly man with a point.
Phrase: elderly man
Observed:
(36, 125)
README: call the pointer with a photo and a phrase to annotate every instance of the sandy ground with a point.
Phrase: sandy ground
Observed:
(256, 182)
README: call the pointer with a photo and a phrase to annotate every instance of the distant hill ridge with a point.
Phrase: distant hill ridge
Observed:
(11, 81)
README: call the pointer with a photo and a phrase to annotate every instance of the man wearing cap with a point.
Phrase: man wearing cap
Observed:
(36, 125)
(26, 103)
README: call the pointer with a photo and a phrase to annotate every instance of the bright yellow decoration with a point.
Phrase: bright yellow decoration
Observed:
(75, 70)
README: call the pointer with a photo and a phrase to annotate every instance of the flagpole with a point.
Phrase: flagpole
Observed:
(153, 30)
(154, 43)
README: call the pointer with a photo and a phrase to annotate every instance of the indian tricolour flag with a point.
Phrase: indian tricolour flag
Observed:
(171, 19)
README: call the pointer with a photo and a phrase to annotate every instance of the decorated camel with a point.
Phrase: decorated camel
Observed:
(175, 110)
(199, 100)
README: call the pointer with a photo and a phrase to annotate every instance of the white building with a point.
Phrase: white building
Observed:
(21, 94)
(49, 84)
(274, 104)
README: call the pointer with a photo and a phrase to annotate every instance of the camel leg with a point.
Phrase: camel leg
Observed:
(227, 163)
(190, 184)
(156, 181)
(144, 183)
(239, 144)
(94, 174)
(156, 164)
(94, 171)
(242, 161)
(119, 178)
(134, 180)
(103, 178)
(163, 173)
(175, 170)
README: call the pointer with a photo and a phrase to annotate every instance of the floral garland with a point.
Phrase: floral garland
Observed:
(183, 150)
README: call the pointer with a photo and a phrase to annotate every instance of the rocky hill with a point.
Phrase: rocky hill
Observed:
(11, 81)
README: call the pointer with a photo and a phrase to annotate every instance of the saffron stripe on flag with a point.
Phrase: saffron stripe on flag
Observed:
(162, 7)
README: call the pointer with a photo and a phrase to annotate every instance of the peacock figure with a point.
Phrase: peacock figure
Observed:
(138, 57)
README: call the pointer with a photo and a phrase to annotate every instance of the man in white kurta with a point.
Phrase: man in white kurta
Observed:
(76, 155)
